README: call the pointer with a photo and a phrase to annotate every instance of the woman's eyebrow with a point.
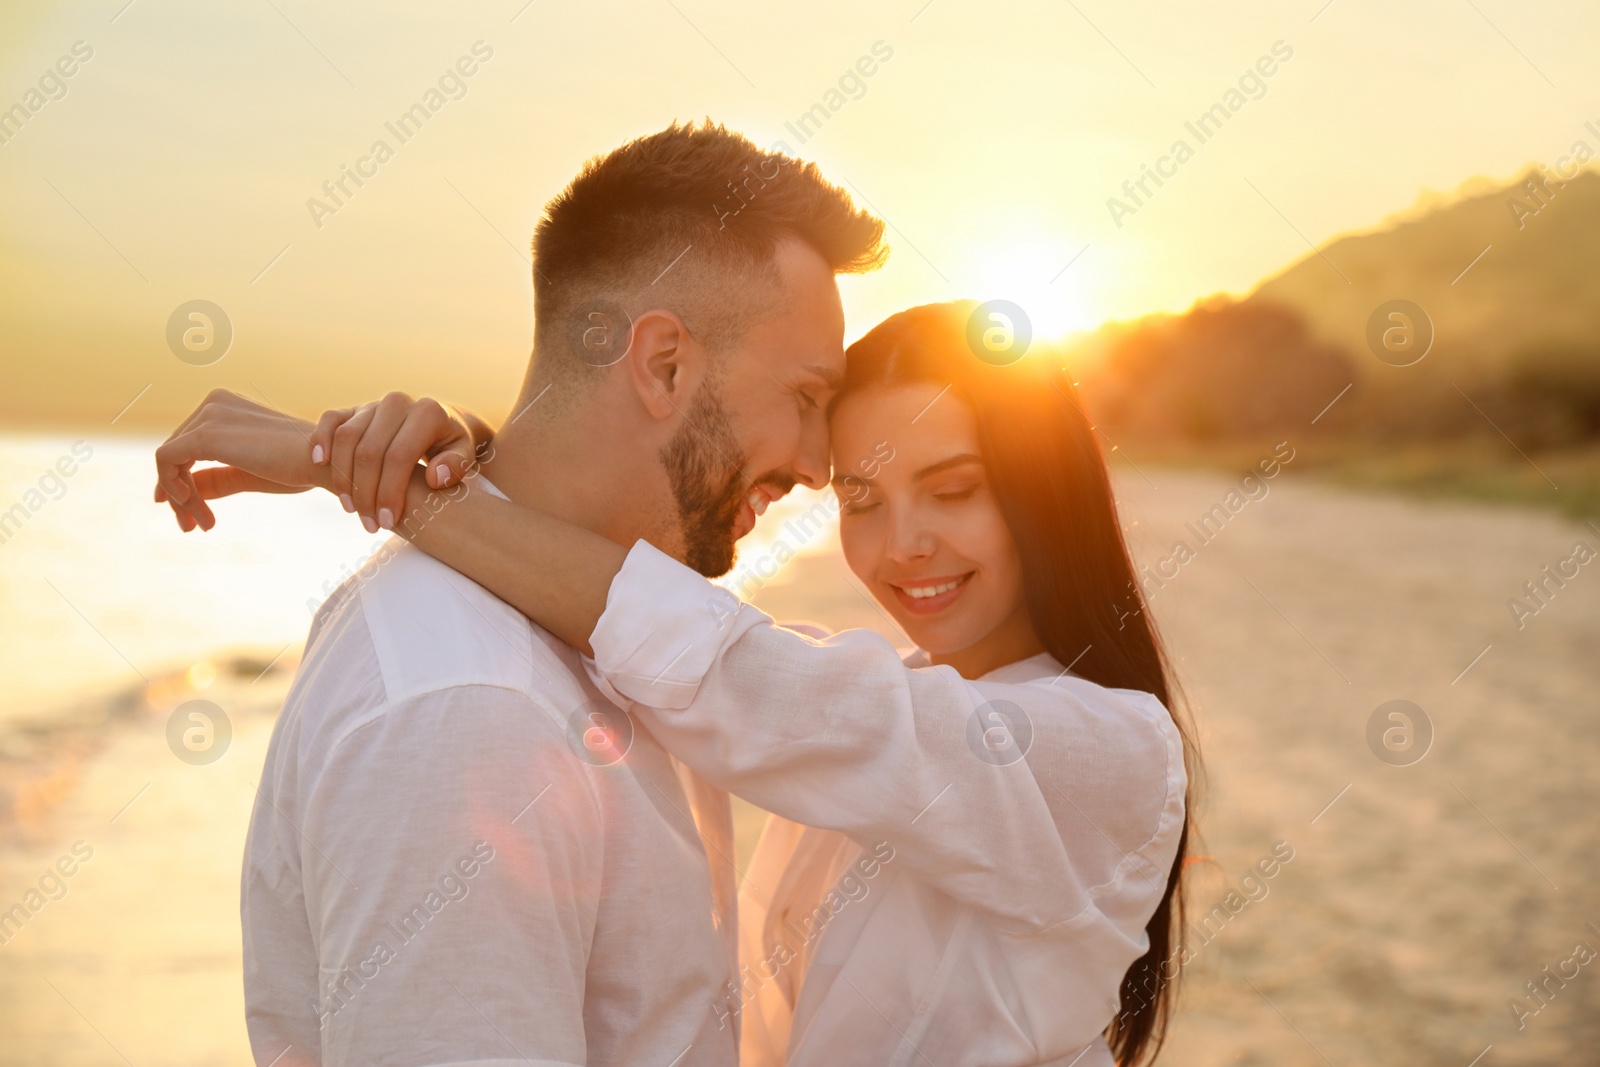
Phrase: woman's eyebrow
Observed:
(945, 464)
(926, 472)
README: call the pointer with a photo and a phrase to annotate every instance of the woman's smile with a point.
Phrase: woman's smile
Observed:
(929, 596)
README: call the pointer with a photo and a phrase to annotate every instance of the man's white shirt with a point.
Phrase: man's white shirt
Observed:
(445, 867)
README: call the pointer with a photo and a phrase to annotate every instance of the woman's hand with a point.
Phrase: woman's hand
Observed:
(370, 451)
(364, 455)
(264, 451)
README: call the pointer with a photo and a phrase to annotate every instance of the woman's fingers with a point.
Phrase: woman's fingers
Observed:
(197, 510)
(212, 483)
(186, 521)
(372, 450)
(388, 416)
(431, 434)
(425, 423)
(322, 436)
(174, 458)
(448, 468)
(343, 458)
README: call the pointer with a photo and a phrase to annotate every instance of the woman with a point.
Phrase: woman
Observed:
(975, 849)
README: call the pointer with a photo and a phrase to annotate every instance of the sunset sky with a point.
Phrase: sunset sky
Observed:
(180, 160)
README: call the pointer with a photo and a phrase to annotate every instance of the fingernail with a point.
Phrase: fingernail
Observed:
(317, 454)
(372, 527)
(442, 472)
(346, 502)
(386, 518)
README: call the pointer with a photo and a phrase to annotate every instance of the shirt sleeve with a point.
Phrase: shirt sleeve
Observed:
(452, 861)
(1038, 802)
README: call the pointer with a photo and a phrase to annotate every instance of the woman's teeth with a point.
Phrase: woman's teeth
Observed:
(923, 592)
(758, 501)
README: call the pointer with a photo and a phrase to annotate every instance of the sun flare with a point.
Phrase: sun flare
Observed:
(1038, 275)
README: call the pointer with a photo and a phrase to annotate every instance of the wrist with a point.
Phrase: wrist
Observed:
(322, 476)
(422, 503)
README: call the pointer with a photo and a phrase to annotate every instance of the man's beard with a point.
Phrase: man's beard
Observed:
(705, 468)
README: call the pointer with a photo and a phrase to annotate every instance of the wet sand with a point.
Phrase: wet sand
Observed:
(1418, 902)
(139, 961)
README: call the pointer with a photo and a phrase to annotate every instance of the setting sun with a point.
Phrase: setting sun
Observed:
(1037, 273)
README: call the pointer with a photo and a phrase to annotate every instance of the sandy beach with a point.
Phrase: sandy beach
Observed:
(1421, 895)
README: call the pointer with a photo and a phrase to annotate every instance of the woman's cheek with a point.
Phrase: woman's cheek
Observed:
(855, 543)
(971, 526)
(979, 532)
(1002, 556)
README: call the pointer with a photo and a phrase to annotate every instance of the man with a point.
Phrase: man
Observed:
(460, 853)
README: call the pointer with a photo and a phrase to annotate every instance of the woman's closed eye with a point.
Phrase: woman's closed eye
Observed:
(855, 496)
(956, 494)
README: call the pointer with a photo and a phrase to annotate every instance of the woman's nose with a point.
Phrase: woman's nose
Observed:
(909, 539)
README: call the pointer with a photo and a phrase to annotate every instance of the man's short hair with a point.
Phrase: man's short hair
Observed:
(687, 219)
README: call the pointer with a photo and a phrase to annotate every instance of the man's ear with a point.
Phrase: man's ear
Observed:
(664, 364)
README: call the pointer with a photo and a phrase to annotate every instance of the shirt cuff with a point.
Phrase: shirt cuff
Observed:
(663, 627)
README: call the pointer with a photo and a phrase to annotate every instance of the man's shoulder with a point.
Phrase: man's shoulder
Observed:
(421, 627)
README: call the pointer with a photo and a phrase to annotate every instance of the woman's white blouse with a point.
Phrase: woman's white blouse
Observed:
(997, 845)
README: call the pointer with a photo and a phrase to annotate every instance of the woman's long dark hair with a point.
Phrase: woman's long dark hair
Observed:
(1052, 486)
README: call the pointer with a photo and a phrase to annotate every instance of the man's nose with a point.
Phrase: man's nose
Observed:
(811, 457)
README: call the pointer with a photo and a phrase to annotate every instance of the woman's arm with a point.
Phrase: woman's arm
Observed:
(1042, 799)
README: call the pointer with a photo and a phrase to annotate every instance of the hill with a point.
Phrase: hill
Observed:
(1507, 277)
(1502, 273)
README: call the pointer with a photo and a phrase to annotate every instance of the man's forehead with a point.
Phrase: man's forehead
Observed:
(809, 285)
